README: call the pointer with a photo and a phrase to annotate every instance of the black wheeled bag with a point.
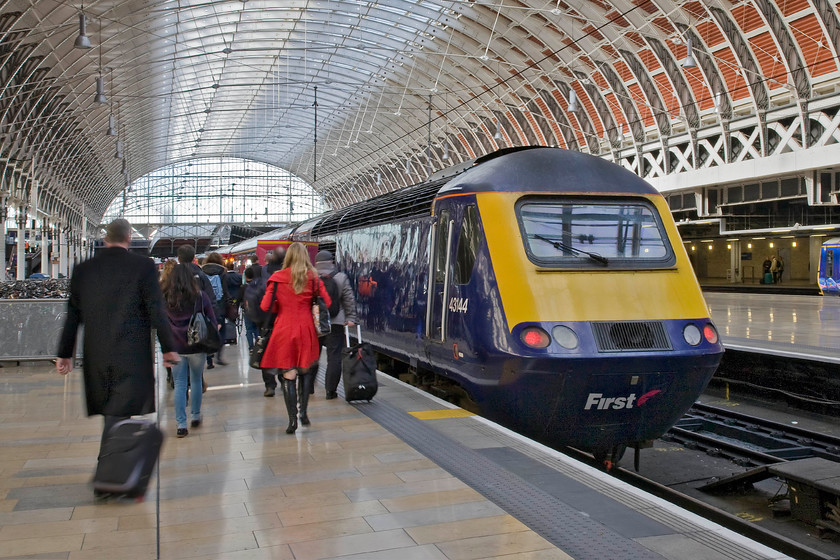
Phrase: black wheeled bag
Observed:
(129, 454)
(358, 369)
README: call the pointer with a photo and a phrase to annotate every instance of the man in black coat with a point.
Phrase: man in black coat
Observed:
(116, 295)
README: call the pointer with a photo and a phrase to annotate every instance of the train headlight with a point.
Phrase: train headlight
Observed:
(692, 335)
(535, 337)
(710, 333)
(565, 337)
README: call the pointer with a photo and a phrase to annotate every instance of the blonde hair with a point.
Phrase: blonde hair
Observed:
(297, 260)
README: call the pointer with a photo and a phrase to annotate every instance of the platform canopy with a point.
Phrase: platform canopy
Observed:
(359, 98)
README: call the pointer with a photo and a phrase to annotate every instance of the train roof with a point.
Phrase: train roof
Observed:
(545, 169)
(527, 168)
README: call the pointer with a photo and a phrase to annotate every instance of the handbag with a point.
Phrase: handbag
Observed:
(202, 334)
(320, 312)
(256, 355)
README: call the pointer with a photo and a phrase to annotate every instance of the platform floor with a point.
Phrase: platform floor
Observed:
(795, 326)
(349, 486)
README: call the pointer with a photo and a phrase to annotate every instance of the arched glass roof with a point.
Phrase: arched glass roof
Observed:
(362, 97)
(217, 190)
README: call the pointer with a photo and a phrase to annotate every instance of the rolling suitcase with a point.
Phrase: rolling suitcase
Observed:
(129, 454)
(358, 369)
(231, 331)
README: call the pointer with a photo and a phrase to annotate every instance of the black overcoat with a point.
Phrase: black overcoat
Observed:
(116, 295)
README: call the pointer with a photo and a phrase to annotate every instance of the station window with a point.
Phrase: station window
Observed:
(790, 186)
(468, 243)
(752, 192)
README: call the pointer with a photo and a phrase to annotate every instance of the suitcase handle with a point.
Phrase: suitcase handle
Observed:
(347, 334)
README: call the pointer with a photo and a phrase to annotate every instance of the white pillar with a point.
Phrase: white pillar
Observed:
(45, 247)
(2, 238)
(62, 252)
(21, 244)
(735, 261)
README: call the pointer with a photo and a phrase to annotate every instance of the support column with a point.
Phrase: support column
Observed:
(736, 273)
(62, 252)
(21, 244)
(45, 247)
(2, 238)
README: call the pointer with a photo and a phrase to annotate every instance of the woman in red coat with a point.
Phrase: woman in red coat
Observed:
(293, 348)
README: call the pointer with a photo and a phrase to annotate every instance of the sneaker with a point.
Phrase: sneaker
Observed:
(269, 392)
(182, 432)
(211, 365)
(196, 422)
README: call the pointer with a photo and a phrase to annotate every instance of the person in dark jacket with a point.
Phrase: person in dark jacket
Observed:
(252, 330)
(183, 298)
(117, 297)
(215, 266)
(186, 255)
(346, 316)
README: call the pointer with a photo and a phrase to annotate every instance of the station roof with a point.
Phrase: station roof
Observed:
(360, 98)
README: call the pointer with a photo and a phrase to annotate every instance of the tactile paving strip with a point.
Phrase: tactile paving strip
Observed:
(566, 528)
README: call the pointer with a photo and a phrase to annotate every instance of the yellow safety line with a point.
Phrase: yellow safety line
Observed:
(445, 413)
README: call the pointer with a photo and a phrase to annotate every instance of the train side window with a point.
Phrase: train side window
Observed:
(440, 246)
(829, 264)
(468, 243)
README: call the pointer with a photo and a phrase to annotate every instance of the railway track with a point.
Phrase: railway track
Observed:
(750, 440)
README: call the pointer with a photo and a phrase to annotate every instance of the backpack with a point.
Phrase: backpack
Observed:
(335, 296)
(254, 292)
(216, 282)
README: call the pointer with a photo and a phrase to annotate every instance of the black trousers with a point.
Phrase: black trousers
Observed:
(334, 342)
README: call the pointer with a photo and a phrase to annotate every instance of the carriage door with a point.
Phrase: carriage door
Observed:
(439, 267)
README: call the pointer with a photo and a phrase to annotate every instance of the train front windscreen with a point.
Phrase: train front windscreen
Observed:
(578, 233)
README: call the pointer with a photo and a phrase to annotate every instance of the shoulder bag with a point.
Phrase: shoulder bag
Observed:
(256, 356)
(202, 334)
(320, 311)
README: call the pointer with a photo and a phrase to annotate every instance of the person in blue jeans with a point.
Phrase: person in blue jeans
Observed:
(252, 330)
(183, 298)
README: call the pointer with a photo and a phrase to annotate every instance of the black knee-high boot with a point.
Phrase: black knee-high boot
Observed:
(290, 396)
(304, 386)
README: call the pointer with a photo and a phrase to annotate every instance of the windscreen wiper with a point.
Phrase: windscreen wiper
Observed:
(563, 247)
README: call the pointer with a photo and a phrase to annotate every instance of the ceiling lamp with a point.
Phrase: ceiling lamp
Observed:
(573, 104)
(118, 154)
(498, 135)
(82, 41)
(689, 61)
(100, 91)
(112, 126)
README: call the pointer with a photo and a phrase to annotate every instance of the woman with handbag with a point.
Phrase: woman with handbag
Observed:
(293, 348)
(184, 301)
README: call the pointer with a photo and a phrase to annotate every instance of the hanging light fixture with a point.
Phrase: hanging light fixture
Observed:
(689, 61)
(498, 135)
(112, 126)
(118, 154)
(82, 41)
(100, 91)
(573, 104)
(446, 152)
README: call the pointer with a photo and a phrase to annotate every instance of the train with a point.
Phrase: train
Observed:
(828, 277)
(548, 287)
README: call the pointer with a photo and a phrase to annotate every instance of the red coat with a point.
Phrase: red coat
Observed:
(294, 342)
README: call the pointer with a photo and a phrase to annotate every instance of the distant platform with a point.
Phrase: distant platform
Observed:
(792, 288)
